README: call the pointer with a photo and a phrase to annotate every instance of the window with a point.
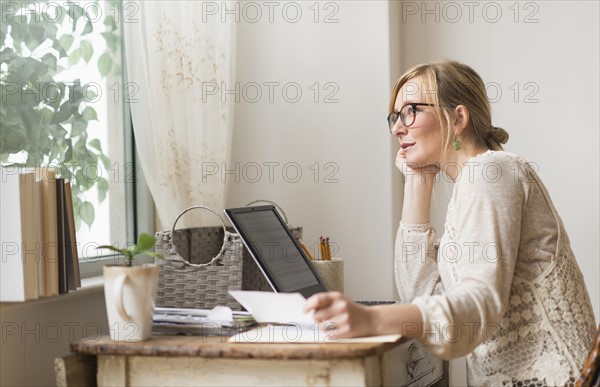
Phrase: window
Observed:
(63, 105)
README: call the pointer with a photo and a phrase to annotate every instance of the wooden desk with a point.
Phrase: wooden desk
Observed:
(201, 360)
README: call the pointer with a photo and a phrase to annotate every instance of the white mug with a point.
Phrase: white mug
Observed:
(129, 294)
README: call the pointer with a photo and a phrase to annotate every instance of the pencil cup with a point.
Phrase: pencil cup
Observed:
(331, 272)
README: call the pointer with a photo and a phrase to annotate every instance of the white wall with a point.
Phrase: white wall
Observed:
(350, 199)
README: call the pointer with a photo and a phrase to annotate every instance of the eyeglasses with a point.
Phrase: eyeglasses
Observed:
(407, 114)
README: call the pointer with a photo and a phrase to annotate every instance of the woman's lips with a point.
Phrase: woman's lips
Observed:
(405, 145)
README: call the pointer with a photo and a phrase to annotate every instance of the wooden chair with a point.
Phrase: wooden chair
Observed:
(590, 374)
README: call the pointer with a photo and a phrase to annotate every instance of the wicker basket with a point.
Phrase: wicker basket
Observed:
(201, 265)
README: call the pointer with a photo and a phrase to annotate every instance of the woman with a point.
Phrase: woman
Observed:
(504, 288)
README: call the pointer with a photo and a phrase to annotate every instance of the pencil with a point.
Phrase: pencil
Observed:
(327, 249)
(307, 251)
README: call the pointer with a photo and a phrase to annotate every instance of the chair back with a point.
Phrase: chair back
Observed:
(590, 374)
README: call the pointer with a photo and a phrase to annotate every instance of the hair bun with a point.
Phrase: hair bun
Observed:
(498, 135)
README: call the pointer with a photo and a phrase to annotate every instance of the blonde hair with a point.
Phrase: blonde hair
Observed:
(451, 83)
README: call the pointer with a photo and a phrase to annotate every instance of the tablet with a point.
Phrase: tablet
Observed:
(276, 252)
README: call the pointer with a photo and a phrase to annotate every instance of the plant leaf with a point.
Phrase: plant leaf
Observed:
(86, 50)
(95, 143)
(74, 57)
(90, 95)
(89, 114)
(88, 28)
(112, 40)
(68, 155)
(50, 61)
(104, 64)
(78, 128)
(66, 41)
(109, 247)
(28, 68)
(145, 242)
(38, 33)
(109, 21)
(87, 213)
(102, 186)
(75, 12)
(65, 111)
(46, 117)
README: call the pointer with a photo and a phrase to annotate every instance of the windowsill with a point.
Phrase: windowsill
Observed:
(96, 281)
(89, 286)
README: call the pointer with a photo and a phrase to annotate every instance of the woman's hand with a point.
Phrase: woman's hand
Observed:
(418, 186)
(410, 170)
(344, 316)
(349, 319)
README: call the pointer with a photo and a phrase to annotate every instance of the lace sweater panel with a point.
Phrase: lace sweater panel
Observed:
(504, 288)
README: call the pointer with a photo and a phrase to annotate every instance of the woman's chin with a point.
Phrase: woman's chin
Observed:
(415, 162)
(420, 163)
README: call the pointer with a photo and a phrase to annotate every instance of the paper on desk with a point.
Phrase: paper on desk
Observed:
(302, 334)
(220, 313)
(269, 307)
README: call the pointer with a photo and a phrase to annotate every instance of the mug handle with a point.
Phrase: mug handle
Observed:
(118, 297)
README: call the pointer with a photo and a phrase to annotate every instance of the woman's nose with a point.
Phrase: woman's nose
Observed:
(399, 129)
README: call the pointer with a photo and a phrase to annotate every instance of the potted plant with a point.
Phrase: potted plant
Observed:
(130, 291)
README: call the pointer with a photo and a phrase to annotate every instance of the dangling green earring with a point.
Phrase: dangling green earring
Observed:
(456, 144)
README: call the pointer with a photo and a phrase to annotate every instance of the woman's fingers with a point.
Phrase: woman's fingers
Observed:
(318, 301)
(330, 313)
(324, 305)
(339, 315)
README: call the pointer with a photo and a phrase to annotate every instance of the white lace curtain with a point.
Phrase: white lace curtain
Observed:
(182, 126)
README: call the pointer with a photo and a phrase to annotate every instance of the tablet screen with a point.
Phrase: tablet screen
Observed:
(270, 242)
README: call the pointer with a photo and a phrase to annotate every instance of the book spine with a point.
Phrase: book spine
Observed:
(60, 227)
(12, 276)
(29, 242)
(50, 247)
(68, 230)
(72, 233)
(38, 226)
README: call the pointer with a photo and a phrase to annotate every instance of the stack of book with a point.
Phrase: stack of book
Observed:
(37, 235)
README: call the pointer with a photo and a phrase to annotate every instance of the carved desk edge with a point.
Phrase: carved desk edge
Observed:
(218, 347)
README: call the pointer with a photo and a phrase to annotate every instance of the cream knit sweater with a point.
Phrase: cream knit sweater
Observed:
(505, 288)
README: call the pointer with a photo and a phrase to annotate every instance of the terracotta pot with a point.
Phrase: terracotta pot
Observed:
(129, 293)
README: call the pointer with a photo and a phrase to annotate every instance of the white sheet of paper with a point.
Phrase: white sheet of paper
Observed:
(220, 313)
(269, 307)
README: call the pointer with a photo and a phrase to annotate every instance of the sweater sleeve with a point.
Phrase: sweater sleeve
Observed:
(481, 249)
(415, 267)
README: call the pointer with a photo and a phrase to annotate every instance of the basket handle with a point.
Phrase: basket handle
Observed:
(216, 257)
(274, 204)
